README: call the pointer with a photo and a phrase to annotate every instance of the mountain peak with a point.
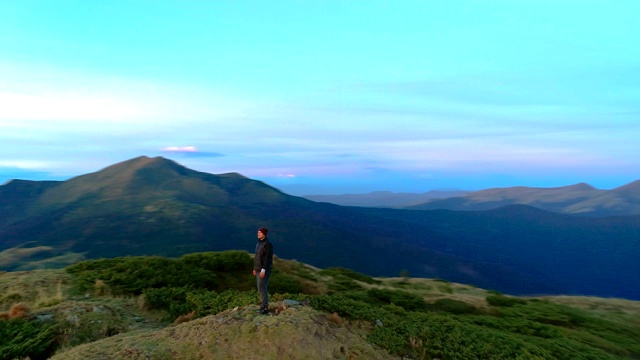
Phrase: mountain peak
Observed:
(143, 178)
(630, 190)
(141, 170)
(138, 163)
(127, 178)
(580, 187)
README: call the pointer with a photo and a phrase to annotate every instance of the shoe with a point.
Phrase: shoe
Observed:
(264, 311)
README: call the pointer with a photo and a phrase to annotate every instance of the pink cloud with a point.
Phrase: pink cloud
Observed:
(181, 149)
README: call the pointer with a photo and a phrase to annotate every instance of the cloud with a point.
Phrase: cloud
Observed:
(33, 97)
(181, 149)
(35, 110)
(190, 151)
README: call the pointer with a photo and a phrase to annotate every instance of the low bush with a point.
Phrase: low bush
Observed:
(282, 283)
(517, 325)
(545, 312)
(22, 338)
(210, 302)
(132, 275)
(342, 284)
(170, 299)
(400, 298)
(346, 307)
(452, 306)
(228, 261)
(348, 273)
(445, 288)
(203, 284)
(503, 301)
(427, 335)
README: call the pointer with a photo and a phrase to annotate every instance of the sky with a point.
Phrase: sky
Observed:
(326, 97)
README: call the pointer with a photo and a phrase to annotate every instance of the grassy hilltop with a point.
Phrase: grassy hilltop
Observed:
(203, 305)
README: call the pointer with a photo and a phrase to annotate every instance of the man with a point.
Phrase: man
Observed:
(262, 265)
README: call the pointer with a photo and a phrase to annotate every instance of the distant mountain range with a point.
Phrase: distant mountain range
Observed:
(579, 199)
(386, 198)
(154, 206)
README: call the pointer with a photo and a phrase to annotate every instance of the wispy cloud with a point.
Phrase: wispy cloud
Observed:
(189, 151)
(33, 95)
(180, 149)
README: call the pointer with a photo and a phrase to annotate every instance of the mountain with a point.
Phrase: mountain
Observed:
(385, 198)
(154, 206)
(141, 206)
(579, 199)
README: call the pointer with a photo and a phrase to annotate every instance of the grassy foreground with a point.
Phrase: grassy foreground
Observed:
(204, 306)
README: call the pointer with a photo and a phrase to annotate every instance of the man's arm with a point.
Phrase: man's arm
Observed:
(268, 256)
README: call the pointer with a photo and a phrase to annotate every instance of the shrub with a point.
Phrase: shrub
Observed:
(445, 288)
(400, 298)
(23, 338)
(547, 313)
(360, 295)
(132, 275)
(517, 325)
(178, 301)
(210, 302)
(345, 307)
(447, 337)
(228, 261)
(170, 299)
(348, 273)
(300, 270)
(452, 306)
(504, 301)
(282, 283)
(343, 284)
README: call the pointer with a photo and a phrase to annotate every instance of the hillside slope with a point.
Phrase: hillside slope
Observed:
(385, 198)
(337, 314)
(579, 199)
(154, 206)
(241, 333)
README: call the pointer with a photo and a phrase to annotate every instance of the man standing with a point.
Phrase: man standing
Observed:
(262, 265)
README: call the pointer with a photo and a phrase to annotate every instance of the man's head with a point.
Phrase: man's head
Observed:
(262, 233)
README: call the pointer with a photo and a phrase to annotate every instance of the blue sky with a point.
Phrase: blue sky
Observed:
(326, 97)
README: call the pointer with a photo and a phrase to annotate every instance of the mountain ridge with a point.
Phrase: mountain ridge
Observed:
(578, 199)
(384, 198)
(158, 207)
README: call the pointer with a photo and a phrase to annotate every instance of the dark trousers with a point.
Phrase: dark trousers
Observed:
(262, 288)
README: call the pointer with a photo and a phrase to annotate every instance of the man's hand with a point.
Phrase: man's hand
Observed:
(254, 273)
(261, 274)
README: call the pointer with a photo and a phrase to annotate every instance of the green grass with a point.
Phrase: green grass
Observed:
(125, 308)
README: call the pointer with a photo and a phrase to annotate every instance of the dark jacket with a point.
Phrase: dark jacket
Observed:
(264, 256)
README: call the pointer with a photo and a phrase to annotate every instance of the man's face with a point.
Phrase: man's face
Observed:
(260, 235)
